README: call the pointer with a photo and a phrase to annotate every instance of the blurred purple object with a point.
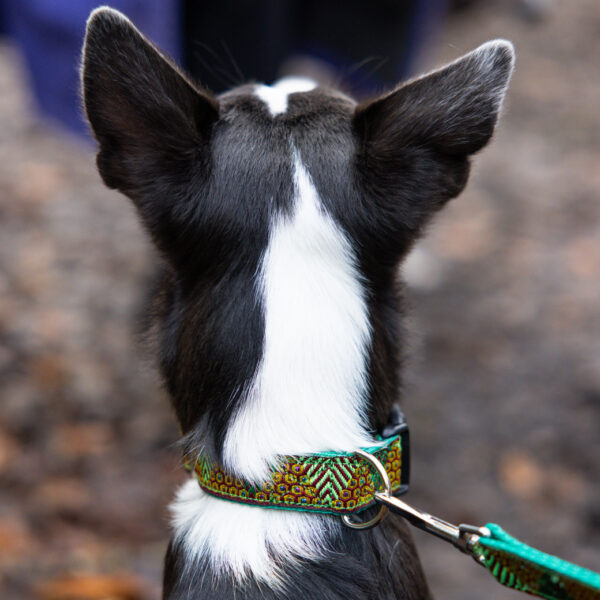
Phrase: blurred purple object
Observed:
(50, 34)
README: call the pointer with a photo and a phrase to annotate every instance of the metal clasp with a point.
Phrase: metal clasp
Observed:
(464, 537)
(387, 485)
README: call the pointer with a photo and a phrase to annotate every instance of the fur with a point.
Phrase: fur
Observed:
(276, 97)
(207, 529)
(282, 214)
(309, 393)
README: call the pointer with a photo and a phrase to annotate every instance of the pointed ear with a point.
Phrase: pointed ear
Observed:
(415, 141)
(151, 123)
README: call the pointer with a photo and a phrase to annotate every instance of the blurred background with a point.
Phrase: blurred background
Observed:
(503, 381)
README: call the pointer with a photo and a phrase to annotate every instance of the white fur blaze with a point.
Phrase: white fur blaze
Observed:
(310, 392)
(239, 540)
(308, 395)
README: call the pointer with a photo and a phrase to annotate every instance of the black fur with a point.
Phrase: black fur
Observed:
(377, 565)
(207, 174)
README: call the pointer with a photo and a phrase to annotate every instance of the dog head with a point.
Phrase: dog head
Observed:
(282, 213)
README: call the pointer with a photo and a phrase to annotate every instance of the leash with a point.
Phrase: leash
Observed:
(510, 561)
(347, 483)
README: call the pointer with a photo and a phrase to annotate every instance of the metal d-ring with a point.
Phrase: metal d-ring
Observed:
(385, 480)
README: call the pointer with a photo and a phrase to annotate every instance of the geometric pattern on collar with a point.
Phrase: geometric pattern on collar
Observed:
(328, 482)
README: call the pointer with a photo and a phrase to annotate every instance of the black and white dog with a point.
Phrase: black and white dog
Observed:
(282, 214)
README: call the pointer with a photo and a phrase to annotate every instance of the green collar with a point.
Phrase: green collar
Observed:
(328, 482)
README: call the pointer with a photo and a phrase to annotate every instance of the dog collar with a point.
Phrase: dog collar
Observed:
(327, 482)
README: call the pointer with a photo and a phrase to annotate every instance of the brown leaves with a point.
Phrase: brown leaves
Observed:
(62, 494)
(49, 372)
(91, 587)
(73, 440)
(8, 450)
(15, 541)
(525, 478)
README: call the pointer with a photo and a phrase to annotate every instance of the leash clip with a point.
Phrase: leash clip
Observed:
(464, 537)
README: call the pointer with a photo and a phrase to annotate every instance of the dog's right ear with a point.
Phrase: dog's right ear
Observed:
(415, 142)
(151, 123)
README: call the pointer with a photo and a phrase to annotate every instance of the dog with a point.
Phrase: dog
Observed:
(282, 214)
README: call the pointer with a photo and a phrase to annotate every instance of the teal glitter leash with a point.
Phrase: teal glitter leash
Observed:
(510, 561)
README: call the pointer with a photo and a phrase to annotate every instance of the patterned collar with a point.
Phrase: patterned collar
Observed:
(327, 482)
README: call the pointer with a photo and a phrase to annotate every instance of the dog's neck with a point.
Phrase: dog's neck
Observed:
(310, 390)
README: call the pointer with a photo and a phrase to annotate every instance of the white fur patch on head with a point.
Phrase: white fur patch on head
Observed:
(276, 96)
(240, 540)
(309, 394)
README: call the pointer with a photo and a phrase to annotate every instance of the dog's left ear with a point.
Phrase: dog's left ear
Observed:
(152, 124)
(415, 142)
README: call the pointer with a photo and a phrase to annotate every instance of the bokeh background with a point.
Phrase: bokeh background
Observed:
(503, 380)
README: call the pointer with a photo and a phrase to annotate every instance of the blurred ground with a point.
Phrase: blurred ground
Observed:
(503, 387)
